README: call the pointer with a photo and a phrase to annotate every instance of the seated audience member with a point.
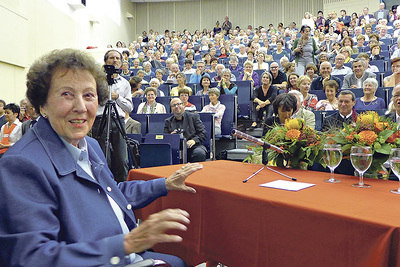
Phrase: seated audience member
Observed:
(359, 75)
(205, 83)
(34, 118)
(181, 79)
(394, 114)
(264, 95)
(184, 96)
(394, 79)
(196, 77)
(370, 68)
(292, 82)
(220, 68)
(375, 50)
(188, 69)
(345, 114)
(396, 47)
(140, 74)
(325, 70)
(242, 51)
(155, 83)
(279, 78)
(135, 83)
(234, 64)
(279, 50)
(225, 85)
(2, 116)
(151, 106)
(136, 64)
(261, 64)
(346, 51)
(159, 75)
(216, 107)
(331, 88)
(290, 68)
(223, 52)
(147, 69)
(10, 132)
(132, 126)
(172, 76)
(369, 101)
(283, 61)
(339, 68)
(383, 33)
(150, 57)
(249, 75)
(360, 42)
(335, 50)
(250, 56)
(311, 71)
(213, 65)
(283, 106)
(348, 42)
(188, 125)
(168, 63)
(310, 100)
(125, 69)
(207, 60)
(300, 112)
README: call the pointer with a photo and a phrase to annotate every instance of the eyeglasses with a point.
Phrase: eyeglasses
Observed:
(176, 105)
(395, 96)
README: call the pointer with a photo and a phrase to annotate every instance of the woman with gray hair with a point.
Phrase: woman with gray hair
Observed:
(369, 101)
(155, 83)
(215, 107)
(147, 69)
(225, 85)
(151, 106)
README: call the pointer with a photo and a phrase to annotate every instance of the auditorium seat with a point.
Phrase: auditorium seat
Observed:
(143, 119)
(174, 140)
(209, 142)
(153, 155)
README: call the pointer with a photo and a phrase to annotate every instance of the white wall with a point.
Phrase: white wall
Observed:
(31, 28)
(350, 6)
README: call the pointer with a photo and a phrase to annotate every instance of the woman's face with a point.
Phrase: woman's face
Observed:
(265, 79)
(184, 98)
(150, 96)
(226, 76)
(206, 82)
(154, 84)
(260, 57)
(214, 63)
(213, 98)
(125, 66)
(375, 51)
(369, 89)
(10, 116)
(293, 80)
(330, 92)
(147, 67)
(396, 67)
(180, 79)
(345, 33)
(336, 46)
(71, 104)
(347, 43)
(248, 68)
(250, 56)
(159, 75)
(284, 114)
(310, 72)
(305, 33)
(304, 87)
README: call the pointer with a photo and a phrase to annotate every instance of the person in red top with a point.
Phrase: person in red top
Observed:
(10, 132)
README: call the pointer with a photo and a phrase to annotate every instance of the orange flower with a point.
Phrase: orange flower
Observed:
(381, 125)
(367, 137)
(391, 139)
(292, 134)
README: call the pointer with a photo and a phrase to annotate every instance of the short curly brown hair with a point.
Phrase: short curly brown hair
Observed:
(42, 70)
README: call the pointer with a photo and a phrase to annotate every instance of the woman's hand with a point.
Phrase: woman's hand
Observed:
(152, 231)
(176, 182)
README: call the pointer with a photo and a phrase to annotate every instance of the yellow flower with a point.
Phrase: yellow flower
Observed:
(293, 124)
(368, 137)
(292, 134)
(368, 117)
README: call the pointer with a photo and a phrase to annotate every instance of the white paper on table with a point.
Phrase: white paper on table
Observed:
(287, 185)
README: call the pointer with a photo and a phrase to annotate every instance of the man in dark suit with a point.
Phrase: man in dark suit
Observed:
(344, 18)
(325, 69)
(381, 13)
(190, 126)
(2, 117)
(395, 116)
(34, 117)
(365, 16)
(346, 113)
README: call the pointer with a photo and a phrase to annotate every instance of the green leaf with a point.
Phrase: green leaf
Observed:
(385, 149)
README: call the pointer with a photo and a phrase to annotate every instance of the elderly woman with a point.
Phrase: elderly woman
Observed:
(264, 95)
(11, 131)
(304, 49)
(181, 79)
(151, 106)
(394, 79)
(215, 107)
(349, 42)
(225, 85)
(183, 95)
(155, 83)
(147, 69)
(331, 88)
(283, 106)
(249, 75)
(205, 83)
(125, 69)
(63, 207)
(261, 64)
(369, 101)
(346, 51)
(310, 100)
(159, 76)
(292, 84)
(375, 53)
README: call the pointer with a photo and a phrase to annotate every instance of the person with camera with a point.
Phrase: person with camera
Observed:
(121, 95)
(304, 49)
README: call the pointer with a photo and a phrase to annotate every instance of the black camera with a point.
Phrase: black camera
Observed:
(111, 70)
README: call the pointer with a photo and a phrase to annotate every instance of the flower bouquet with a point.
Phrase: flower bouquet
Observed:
(301, 145)
(371, 130)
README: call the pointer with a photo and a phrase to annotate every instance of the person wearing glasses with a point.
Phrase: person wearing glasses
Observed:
(189, 126)
(395, 114)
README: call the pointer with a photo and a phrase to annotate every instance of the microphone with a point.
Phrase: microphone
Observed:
(256, 141)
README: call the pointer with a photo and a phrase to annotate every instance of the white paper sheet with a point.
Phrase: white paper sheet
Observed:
(287, 185)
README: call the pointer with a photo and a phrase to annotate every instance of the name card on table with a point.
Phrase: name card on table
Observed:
(287, 185)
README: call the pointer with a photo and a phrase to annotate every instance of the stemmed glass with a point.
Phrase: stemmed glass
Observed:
(361, 159)
(394, 160)
(332, 157)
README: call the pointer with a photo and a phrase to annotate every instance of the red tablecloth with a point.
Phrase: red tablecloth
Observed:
(243, 224)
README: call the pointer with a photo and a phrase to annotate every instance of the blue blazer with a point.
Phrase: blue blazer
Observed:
(52, 213)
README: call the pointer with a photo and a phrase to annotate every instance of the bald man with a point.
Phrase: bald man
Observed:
(325, 69)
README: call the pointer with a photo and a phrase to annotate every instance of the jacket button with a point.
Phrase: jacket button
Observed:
(98, 190)
(108, 189)
(129, 206)
(115, 260)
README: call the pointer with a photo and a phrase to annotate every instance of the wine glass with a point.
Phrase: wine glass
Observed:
(332, 157)
(394, 160)
(361, 159)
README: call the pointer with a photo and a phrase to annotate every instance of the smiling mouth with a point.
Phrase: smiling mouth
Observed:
(77, 122)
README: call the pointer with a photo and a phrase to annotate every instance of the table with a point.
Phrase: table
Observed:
(243, 224)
